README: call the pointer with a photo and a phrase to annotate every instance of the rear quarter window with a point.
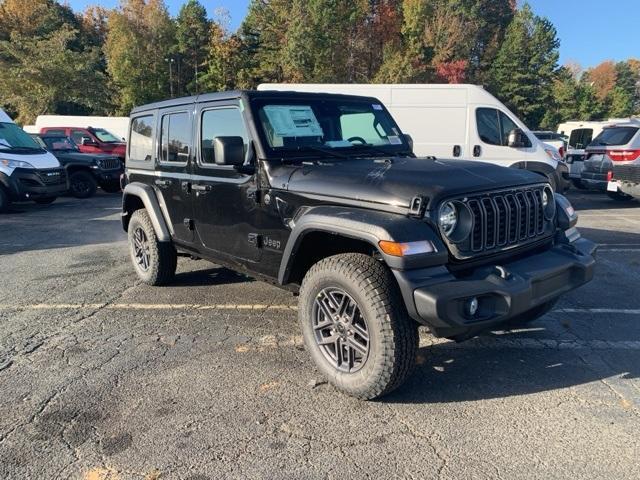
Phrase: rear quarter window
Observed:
(141, 136)
(615, 136)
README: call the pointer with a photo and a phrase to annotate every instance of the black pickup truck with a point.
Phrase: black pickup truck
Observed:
(321, 194)
(86, 171)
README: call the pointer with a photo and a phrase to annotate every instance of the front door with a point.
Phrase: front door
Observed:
(77, 134)
(489, 140)
(224, 197)
(173, 178)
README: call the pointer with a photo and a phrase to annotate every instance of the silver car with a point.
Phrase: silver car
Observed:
(612, 160)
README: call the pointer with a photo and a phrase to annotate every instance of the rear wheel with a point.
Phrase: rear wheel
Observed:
(82, 184)
(45, 200)
(155, 262)
(355, 325)
(4, 200)
(619, 196)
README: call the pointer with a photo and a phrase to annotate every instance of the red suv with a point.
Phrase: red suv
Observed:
(91, 140)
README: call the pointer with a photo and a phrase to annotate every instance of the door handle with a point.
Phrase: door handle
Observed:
(201, 188)
(163, 183)
(457, 150)
(477, 150)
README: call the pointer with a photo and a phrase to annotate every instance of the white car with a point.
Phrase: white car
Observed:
(27, 171)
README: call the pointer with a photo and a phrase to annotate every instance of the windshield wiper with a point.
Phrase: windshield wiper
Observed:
(5, 144)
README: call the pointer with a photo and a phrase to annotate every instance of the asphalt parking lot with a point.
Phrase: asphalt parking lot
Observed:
(104, 378)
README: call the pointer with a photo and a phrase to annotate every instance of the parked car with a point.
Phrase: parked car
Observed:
(457, 121)
(617, 145)
(27, 171)
(580, 134)
(91, 140)
(556, 140)
(322, 194)
(85, 171)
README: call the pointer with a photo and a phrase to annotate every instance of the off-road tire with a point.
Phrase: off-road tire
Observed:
(45, 200)
(533, 314)
(111, 187)
(162, 255)
(82, 184)
(393, 342)
(619, 196)
(4, 201)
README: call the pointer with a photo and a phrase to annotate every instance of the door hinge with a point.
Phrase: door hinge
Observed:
(255, 239)
(188, 223)
(418, 206)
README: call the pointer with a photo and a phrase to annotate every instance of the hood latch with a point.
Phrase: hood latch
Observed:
(418, 206)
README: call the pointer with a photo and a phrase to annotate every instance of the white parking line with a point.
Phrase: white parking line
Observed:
(621, 311)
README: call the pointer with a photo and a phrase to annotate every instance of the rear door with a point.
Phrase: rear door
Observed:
(224, 197)
(173, 170)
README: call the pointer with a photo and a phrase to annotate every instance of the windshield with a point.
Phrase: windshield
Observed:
(335, 125)
(57, 144)
(105, 135)
(614, 136)
(12, 137)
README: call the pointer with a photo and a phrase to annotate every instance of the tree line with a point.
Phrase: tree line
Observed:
(106, 61)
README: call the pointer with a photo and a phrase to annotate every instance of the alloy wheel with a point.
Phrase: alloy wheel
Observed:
(141, 250)
(340, 330)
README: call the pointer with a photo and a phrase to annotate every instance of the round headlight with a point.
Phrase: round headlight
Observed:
(448, 218)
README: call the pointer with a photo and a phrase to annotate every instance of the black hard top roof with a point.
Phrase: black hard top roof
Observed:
(250, 94)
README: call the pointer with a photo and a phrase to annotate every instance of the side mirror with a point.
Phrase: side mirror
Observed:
(228, 150)
(409, 139)
(87, 141)
(517, 139)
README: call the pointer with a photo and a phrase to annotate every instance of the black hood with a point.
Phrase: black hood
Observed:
(396, 181)
(77, 157)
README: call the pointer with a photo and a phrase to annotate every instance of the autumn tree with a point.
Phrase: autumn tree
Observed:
(140, 35)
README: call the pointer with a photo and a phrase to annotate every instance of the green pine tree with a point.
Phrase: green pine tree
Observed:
(192, 45)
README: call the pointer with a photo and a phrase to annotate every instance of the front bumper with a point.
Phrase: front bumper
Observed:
(438, 299)
(30, 184)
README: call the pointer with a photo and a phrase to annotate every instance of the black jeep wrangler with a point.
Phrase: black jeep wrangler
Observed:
(321, 194)
(86, 171)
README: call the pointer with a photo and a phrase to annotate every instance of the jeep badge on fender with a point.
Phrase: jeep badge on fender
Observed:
(376, 241)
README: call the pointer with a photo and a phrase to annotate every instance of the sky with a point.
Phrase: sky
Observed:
(590, 31)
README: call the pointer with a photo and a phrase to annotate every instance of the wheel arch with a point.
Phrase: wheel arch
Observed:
(324, 231)
(138, 195)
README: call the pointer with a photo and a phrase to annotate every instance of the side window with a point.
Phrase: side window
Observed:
(175, 137)
(141, 139)
(77, 135)
(220, 122)
(488, 126)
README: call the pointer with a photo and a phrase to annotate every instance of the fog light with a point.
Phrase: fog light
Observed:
(472, 307)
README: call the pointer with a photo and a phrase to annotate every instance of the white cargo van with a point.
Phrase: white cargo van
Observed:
(27, 171)
(456, 121)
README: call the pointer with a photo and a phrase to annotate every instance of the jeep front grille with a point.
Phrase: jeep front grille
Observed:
(502, 220)
(627, 173)
(109, 163)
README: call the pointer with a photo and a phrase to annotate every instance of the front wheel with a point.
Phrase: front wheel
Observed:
(155, 262)
(82, 184)
(355, 325)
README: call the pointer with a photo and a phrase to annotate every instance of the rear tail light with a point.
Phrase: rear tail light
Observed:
(623, 155)
(609, 175)
(561, 152)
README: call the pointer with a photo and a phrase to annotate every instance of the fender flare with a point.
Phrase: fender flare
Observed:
(535, 167)
(368, 226)
(150, 201)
